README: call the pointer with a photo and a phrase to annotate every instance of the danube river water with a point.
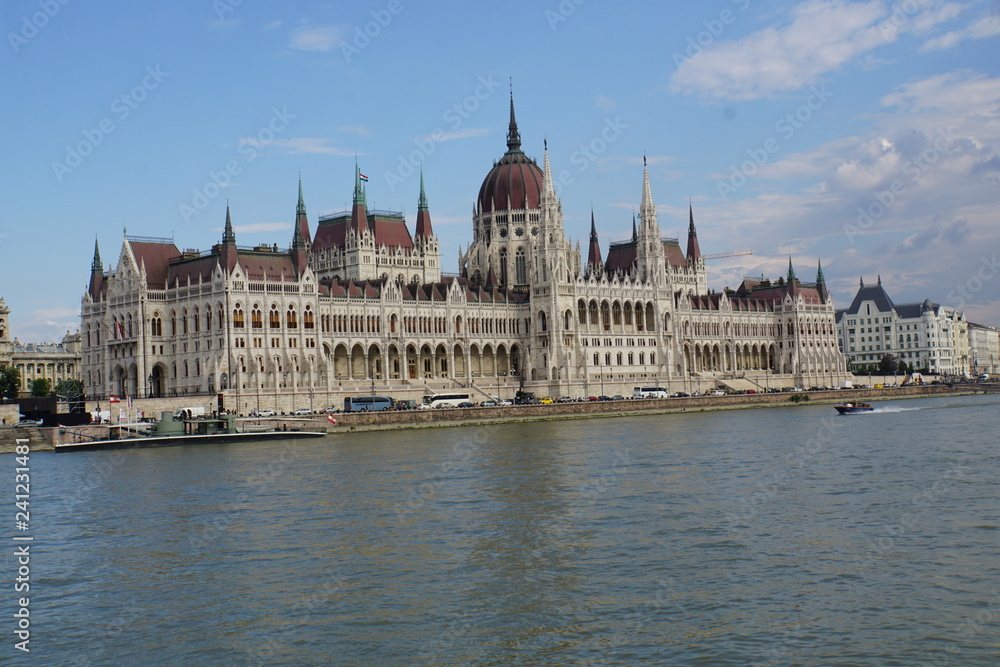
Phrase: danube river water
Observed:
(769, 537)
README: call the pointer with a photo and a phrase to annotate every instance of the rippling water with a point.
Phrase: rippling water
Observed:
(771, 536)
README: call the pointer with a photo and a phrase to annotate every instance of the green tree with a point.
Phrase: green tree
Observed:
(41, 387)
(10, 382)
(889, 365)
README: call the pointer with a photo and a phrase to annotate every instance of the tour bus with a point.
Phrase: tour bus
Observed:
(367, 403)
(447, 400)
(649, 392)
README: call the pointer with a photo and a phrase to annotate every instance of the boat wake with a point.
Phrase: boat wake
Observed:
(893, 409)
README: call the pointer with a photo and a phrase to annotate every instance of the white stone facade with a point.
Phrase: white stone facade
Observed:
(925, 335)
(362, 306)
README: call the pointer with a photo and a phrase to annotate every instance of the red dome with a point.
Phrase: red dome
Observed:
(515, 176)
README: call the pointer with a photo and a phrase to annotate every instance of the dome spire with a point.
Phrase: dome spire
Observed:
(229, 235)
(423, 229)
(513, 136)
(694, 248)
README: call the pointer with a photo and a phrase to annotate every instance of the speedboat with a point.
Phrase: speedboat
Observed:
(853, 408)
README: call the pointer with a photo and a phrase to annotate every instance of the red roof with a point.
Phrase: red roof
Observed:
(156, 258)
(515, 176)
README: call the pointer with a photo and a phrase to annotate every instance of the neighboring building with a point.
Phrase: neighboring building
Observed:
(55, 361)
(925, 335)
(5, 345)
(984, 348)
(363, 305)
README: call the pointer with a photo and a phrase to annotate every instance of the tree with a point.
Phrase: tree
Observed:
(41, 387)
(889, 365)
(10, 382)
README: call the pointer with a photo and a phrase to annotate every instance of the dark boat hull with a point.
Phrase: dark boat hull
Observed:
(170, 441)
(853, 409)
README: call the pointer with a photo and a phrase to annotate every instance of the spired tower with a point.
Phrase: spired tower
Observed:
(6, 352)
(506, 218)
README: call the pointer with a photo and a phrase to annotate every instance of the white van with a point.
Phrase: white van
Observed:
(190, 413)
(649, 392)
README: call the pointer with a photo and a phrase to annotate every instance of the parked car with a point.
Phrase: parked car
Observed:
(466, 404)
(423, 406)
(504, 403)
(302, 411)
(266, 413)
(332, 409)
(28, 422)
(488, 404)
(566, 399)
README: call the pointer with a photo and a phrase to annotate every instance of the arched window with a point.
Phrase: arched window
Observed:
(256, 317)
(238, 319)
(173, 323)
(503, 266)
(208, 318)
(274, 318)
(308, 319)
(197, 319)
(291, 319)
(155, 326)
(184, 321)
(520, 270)
(542, 322)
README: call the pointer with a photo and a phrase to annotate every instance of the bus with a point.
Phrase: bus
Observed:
(367, 403)
(447, 400)
(649, 392)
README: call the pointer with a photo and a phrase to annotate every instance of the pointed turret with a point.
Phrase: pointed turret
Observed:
(693, 249)
(635, 235)
(301, 220)
(791, 272)
(513, 136)
(594, 253)
(821, 282)
(548, 189)
(96, 273)
(228, 252)
(359, 214)
(423, 230)
(228, 234)
(647, 209)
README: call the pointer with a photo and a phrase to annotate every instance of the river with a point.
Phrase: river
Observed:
(745, 537)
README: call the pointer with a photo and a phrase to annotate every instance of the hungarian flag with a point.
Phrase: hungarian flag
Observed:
(113, 399)
(362, 177)
(331, 419)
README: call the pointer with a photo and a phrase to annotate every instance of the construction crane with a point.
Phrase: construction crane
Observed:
(731, 253)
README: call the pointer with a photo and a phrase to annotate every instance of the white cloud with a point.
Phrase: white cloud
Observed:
(818, 37)
(822, 36)
(47, 325)
(441, 136)
(605, 103)
(322, 38)
(988, 26)
(307, 145)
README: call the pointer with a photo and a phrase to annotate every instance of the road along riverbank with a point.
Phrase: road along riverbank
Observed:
(41, 439)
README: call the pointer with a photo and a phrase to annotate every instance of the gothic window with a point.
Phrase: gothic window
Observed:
(173, 323)
(238, 319)
(155, 326)
(184, 321)
(274, 318)
(308, 319)
(256, 317)
(208, 318)
(197, 320)
(503, 266)
(291, 320)
(520, 269)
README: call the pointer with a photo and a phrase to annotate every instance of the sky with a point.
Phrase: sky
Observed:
(865, 135)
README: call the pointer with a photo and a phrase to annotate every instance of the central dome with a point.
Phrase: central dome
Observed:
(515, 177)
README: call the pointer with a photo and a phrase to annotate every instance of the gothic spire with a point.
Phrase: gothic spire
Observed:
(635, 236)
(228, 235)
(821, 281)
(423, 229)
(594, 253)
(548, 189)
(693, 249)
(96, 265)
(791, 272)
(513, 136)
(301, 219)
(647, 210)
(359, 210)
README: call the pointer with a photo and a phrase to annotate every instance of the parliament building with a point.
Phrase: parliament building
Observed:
(361, 305)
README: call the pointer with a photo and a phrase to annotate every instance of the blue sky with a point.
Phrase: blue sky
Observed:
(862, 133)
